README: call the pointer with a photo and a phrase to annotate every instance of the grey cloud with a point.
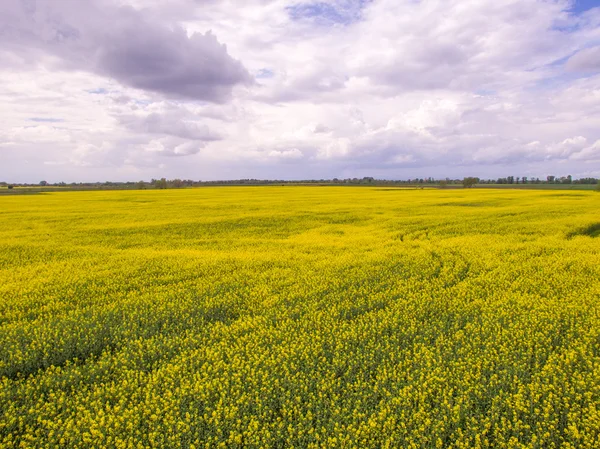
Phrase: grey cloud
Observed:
(321, 129)
(121, 99)
(120, 42)
(585, 60)
(167, 61)
(173, 125)
(392, 148)
(46, 119)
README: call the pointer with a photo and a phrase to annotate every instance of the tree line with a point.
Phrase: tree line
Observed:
(164, 183)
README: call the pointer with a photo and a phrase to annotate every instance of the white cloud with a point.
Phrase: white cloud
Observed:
(590, 154)
(34, 134)
(293, 153)
(169, 146)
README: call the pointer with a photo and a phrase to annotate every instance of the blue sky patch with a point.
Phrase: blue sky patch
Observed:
(341, 12)
(99, 91)
(561, 61)
(315, 11)
(557, 82)
(581, 6)
(265, 73)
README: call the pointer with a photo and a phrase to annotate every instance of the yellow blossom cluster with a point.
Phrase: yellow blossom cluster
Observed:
(300, 317)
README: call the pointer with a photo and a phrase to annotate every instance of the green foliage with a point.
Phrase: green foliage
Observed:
(469, 182)
(160, 183)
(300, 317)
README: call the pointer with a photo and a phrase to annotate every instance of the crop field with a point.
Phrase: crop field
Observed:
(300, 317)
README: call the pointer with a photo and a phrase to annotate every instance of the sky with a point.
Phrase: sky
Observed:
(96, 90)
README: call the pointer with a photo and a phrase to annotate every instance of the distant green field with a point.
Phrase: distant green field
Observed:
(30, 189)
(540, 186)
(276, 317)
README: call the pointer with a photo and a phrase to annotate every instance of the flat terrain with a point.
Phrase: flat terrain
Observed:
(300, 317)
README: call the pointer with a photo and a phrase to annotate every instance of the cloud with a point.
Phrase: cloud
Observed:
(391, 88)
(450, 44)
(46, 119)
(156, 123)
(567, 147)
(122, 43)
(585, 60)
(173, 147)
(34, 134)
(320, 128)
(293, 153)
(591, 153)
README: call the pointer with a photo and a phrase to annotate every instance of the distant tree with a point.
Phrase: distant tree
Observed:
(586, 181)
(550, 179)
(141, 185)
(469, 182)
(524, 179)
(177, 183)
(43, 183)
(510, 179)
(443, 184)
(161, 183)
(10, 186)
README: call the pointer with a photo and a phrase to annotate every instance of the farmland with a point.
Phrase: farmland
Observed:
(300, 317)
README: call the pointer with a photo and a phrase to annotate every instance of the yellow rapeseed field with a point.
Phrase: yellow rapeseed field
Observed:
(300, 317)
